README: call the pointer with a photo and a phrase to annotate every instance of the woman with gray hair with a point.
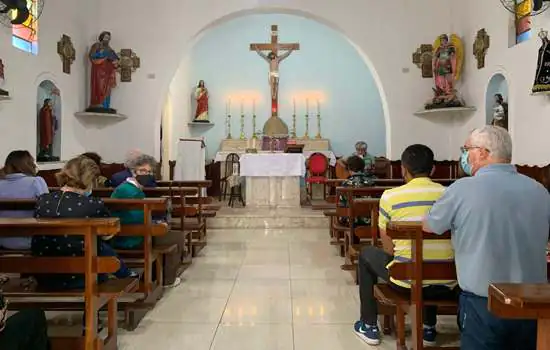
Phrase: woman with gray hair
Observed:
(361, 151)
(141, 170)
(121, 176)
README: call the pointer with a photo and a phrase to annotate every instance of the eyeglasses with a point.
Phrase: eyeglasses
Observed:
(467, 148)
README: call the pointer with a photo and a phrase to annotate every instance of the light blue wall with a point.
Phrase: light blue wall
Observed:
(326, 63)
(497, 85)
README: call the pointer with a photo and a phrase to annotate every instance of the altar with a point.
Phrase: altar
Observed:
(272, 179)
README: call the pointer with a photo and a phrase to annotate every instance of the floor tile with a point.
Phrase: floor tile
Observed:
(266, 271)
(325, 310)
(253, 337)
(257, 310)
(182, 308)
(205, 288)
(271, 288)
(169, 336)
(334, 288)
(333, 337)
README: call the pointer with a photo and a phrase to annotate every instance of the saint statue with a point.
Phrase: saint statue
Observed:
(201, 95)
(104, 63)
(447, 61)
(2, 92)
(500, 112)
(542, 78)
(48, 126)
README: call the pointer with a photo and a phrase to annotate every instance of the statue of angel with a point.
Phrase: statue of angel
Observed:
(447, 62)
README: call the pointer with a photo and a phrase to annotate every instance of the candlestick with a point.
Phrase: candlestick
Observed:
(229, 137)
(254, 136)
(293, 134)
(306, 134)
(242, 137)
(318, 108)
(318, 136)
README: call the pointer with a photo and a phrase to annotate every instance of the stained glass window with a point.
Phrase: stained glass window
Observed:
(523, 20)
(25, 36)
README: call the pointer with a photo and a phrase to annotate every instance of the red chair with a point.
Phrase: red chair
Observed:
(317, 168)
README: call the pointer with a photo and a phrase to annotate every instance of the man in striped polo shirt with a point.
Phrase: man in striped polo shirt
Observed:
(410, 202)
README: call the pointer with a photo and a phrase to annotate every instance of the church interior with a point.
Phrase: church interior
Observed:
(233, 130)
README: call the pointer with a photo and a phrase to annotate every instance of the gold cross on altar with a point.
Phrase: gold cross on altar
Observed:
(273, 58)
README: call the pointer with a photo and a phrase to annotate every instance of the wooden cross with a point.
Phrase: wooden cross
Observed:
(274, 48)
(128, 64)
(422, 57)
(66, 51)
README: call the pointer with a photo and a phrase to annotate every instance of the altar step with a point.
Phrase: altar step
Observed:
(231, 218)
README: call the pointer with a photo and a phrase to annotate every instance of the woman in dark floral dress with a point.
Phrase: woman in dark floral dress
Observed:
(72, 201)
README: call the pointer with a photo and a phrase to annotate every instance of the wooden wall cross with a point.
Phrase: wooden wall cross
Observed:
(422, 57)
(66, 51)
(273, 58)
(128, 64)
(481, 44)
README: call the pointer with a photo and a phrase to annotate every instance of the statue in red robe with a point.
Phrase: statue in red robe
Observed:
(104, 64)
(47, 127)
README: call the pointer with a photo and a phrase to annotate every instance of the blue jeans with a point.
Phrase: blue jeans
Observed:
(481, 330)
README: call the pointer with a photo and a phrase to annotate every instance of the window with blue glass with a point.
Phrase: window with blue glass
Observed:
(25, 36)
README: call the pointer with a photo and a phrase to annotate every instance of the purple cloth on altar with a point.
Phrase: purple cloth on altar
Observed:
(279, 143)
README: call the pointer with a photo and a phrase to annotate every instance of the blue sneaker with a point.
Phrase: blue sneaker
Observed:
(430, 334)
(369, 334)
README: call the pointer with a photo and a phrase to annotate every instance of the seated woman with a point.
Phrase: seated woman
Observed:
(72, 201)
(357, 178)
(18, 180)
(141, 169)
(101, 181)
(361, 152)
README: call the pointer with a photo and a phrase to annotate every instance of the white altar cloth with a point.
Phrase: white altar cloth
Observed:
(272, 179)
(222, 155)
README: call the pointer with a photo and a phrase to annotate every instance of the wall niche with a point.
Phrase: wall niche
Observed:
(48, 126)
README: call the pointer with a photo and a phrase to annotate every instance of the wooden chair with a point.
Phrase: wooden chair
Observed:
(232, 161)
(94, 296)
(416, 271)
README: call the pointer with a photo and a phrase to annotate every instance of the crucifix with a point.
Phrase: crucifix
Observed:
(274, 59)
(128, 64)
(66, 51)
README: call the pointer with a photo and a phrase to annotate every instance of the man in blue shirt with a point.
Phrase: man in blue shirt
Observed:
(500, 222)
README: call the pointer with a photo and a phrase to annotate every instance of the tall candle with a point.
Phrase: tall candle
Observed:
(294, 105)
(254, 107)
(307, 105)
(318, 108)
(229, 107)
(242, 107)
(254, 143)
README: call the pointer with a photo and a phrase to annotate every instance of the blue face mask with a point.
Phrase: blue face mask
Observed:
(467, 167)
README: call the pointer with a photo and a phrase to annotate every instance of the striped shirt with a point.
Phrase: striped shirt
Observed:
(411, 202)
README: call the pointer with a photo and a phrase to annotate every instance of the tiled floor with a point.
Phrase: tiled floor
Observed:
(278, 289)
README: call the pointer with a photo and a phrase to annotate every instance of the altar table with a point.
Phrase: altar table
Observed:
(272, 179)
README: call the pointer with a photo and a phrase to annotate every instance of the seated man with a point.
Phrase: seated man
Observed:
(409, 202)
(357, 178)
(121, 176)
(500, 222)
(25, 330)
(361, 151)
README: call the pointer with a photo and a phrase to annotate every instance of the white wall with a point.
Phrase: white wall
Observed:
(529, 116)
(386, 32)
(24, 72)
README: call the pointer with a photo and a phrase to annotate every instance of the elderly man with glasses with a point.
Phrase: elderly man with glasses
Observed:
(499, 221)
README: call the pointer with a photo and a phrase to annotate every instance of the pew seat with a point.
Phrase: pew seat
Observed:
(388, 295)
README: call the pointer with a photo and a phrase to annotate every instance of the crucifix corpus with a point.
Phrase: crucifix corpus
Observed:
(128, 64)
(274, 59)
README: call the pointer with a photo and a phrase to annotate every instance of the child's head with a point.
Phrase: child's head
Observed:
(355, 164)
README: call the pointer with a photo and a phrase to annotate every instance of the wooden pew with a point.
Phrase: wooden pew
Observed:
(523, 301)
(94, 296)
(148, 258)
(416, 271)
